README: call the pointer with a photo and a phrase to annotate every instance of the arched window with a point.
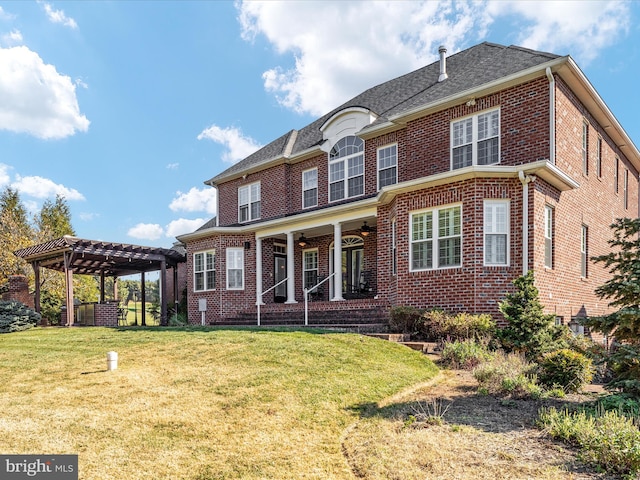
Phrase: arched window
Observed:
(346, 169)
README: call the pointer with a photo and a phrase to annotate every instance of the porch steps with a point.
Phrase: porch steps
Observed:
(404, 339)
(362, 320)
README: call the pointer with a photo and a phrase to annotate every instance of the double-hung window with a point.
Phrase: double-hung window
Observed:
(310, 268)
(204, 274)
(346, 169)
(585, 148)
(235, 268)
(584, 250)
(394, 247)
(436, 238)
(548, 236)
(599, 157)
(496, 232)
(310, 188)
(249, 202)
(387, 166)
(476, 140)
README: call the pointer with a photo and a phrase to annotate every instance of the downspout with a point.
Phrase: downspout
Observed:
(525, 180)
(552, 116)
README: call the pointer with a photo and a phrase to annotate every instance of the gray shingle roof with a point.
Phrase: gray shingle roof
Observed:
(467, 69)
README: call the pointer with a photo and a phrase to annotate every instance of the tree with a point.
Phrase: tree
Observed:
(54, 220)
(623, 289)
(529, 330)
(15, 233)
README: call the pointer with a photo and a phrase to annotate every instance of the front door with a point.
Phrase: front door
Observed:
(352, 265)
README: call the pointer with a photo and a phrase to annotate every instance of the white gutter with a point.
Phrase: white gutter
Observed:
(552, 116)
(525, 180)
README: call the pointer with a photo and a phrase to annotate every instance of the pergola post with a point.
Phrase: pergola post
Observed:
(68, 276)
(144, 299)
(36, 276)
(163, 290)
(101, 287)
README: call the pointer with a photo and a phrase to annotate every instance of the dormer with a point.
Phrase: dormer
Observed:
(345, 123)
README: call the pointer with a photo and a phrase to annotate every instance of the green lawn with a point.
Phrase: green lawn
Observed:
(195, 403)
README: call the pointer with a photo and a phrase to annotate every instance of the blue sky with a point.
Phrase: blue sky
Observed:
(126, 107)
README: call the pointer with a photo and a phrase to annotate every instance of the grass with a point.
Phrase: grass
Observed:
(194, 403)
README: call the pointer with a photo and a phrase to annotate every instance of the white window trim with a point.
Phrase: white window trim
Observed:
(435, 238)
(205, 270)
(474, 137)
(240, 251)
(625, 186)
(249, 187)
(303, 189)
(585, 148)
(548, 229)
(599, 157)
(584, 251)
(378, 169)
(345, 161)
(304, 270)
(507, 203)
(394, 247)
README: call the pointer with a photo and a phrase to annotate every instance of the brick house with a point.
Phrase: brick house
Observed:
(434, 189)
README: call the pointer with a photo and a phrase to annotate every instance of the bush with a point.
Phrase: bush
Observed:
(405, 320)
(529, 331)
(439, 326)
(465, 354)
(51, 306)
(624, 363)
(566, 368)
(16, 316)
(606, 439)
(508, 375)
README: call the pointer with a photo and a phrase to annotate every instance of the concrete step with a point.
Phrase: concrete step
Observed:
(424, 347)
(392, 337)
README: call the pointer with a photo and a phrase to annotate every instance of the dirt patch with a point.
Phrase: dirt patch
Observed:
(482, 437)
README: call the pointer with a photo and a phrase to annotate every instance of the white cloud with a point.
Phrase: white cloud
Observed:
(581, 29)
(39, 187)
(87, 217)
(146, 231)
(237, 145)
(341, 48)
(4, 15)
(172, 166)
(14, 37)
(195, 200)
(35, 98)
(183, 225)
(58, 16)
(4, 175)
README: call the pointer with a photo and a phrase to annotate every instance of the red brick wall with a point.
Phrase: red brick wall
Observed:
(471, 287)
(275, 196)
(595, 204)
(222, 302)
(19, 290)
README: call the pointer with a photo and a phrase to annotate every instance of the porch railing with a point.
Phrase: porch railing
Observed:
(306, 297)
(267, 291)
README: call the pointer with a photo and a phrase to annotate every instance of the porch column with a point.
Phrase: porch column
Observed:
(337, 262)
(291, 274)
(259, 272)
